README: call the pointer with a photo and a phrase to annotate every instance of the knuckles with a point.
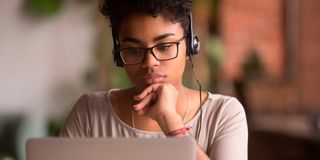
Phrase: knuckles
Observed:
(168, 88)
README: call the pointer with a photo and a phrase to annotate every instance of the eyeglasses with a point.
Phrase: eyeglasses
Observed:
(162, 52)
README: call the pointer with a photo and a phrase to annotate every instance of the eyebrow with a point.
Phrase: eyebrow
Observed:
(158, 38)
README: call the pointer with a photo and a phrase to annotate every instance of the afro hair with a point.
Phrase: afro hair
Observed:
(173, 10)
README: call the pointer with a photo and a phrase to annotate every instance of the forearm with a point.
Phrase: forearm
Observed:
(169, 123)
(200, 154)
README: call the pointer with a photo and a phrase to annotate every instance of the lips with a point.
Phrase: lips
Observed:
(153, 78)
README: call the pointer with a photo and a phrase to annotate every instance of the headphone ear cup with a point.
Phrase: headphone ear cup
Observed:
(193, 41)
(195, 45)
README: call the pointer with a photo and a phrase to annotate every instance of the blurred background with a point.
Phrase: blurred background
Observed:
(264, 52)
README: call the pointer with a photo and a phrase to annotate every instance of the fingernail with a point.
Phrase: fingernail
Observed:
(136, 98)
(135, 107)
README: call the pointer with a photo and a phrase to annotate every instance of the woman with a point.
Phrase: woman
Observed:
(152, 41)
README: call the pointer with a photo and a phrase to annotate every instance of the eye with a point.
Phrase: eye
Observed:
(134, 51)
(164, 47)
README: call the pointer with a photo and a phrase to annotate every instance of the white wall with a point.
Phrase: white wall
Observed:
(37, 56)
(42, 61)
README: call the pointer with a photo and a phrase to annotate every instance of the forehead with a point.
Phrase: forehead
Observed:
(142, 26)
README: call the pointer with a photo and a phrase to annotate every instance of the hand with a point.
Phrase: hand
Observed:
(158, 101)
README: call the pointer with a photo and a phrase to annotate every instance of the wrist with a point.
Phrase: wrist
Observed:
(179, 132)
(169, 123)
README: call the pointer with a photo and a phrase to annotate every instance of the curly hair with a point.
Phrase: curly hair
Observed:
(173, 10)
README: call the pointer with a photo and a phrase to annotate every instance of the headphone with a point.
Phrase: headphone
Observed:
(192, 42)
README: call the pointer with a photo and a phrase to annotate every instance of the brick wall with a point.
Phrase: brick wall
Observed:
(309, 72)
(252, 25)
(265, 27)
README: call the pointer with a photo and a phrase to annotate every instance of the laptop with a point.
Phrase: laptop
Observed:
(182, 148)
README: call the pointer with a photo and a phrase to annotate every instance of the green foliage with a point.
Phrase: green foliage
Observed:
(42, 8)
(53, 127)
(119, 78)
(4, 156)
(90, 78)
(253, 67)
(187, 81)
(215, 53)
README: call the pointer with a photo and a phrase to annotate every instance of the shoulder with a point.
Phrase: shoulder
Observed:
(228, 127)
(88, 99)
(91, 102)
(224, 103)
(98, 95)
(227, 111)
(80, 119)
(224, 111)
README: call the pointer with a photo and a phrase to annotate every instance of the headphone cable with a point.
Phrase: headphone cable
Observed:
(200, 98)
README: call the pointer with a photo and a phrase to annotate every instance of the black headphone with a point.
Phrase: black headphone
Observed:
(192, 41)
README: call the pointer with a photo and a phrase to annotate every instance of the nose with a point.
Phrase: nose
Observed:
(150, 60)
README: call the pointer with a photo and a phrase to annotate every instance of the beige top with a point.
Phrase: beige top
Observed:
(223, 133)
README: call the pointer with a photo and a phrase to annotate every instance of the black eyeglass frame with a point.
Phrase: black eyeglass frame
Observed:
(147, 50)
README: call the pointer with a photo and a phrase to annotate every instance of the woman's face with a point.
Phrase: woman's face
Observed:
(144, 31)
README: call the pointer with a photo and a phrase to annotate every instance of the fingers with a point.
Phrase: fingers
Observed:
(150, 89)
(142, 107)
(159, 97)
(142, 111)
(146, 101)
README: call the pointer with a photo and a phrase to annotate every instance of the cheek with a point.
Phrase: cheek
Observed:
(182, 57)
(177, 67)
(132, 73)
